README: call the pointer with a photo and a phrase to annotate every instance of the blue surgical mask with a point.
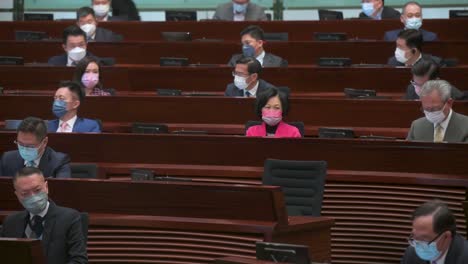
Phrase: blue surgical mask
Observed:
(27, 153)
(36, 203)
(248, 51)
(240, 8)
(368, 9)
(413, 23)
(59, 108)
(427, 252)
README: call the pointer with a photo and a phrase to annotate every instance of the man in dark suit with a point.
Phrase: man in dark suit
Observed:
(408, 50)
(441, 123)
(86, 20)
(376, 9)
(122, 10)
(422, 72)
(253, 39)
(67, 100)
(434, 237)
(247, 82)
(59, 228)
(33, 152)
(240, 10)
(411, 19)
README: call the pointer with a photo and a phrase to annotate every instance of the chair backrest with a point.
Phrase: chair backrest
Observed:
(12, 124)
(84, 170)
(84, 225)
(302, 183)
(276, 36)
(300, 125)
(148, 128)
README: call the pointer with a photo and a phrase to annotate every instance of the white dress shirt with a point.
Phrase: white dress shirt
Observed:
(260, 57)
(69, 128)
(253, 91)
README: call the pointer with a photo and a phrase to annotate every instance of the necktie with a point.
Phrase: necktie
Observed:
(247, 94)
(30, 164)
(63, 127)
(36, 225)
(438, 137)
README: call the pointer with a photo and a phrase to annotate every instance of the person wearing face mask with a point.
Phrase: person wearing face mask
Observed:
(434, 238)
(271, 106)
(58, 228)
(247, 82)
(252, 39)
(88, 73)
(441, 123)
(411, 19)
(408, 50)
(67, 100)
(86, 20)
(376, 9)
(240, 10)
(422, 72)
(31, 141)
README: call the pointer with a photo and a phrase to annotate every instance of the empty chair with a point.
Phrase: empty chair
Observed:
(300, 125)
(330, 15)
(12, 124)
(302, 183)
(147, 128)
(276, 36)
(176, 15)
(84, 170)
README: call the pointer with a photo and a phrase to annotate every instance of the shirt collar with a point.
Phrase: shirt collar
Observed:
(261, 57)
(441, 260)
(419, 58)
(444, 124)
(70, 122)
(254, 89)
(43, 213)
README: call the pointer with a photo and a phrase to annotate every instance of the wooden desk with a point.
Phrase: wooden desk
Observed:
(21, 251)
(302, 53)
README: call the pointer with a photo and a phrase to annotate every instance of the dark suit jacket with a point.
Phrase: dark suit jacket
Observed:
(269, 60)
(82, 125)
(124, 8)
(52, 164)
(61, 60)
(427, 35)
(63, 240)
(232, 90)
(457, 253)
(387, 13)
(412, 95)
(226, 12)
(456, 132)
(393, 61)
(105, 35)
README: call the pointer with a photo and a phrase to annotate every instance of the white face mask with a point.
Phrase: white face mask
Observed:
(413, 23)
(400, 55)
(101, 10)
(435, 117)
(76, 54)
(240, 82)
(89, 29)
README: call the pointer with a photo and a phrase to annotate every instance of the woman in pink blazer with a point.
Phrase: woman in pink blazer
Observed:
(271, 105)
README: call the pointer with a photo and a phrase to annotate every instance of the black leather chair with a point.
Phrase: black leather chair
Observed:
(84, 170)
(300, 125)
(302, 183)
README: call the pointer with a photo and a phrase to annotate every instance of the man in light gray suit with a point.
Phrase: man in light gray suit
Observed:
(252, 39)
(240, 10)
(441, 123)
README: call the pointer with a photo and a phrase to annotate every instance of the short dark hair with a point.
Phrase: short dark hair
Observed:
(413, 38)
(443, 218)
(27, 171)
(74, 87)
(81, 69)
(35, 126)
(72, 30)
(84, 11)
(255, 31)
(426, 67)
(410, 3)
(253, 65)
(263, 97)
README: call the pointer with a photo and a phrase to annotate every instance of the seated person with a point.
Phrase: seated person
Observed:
(408, 50)
(376, 9)
(272, 105)
(102, 10)
(74, 44)
(252, 39)
(434, 237)
(88, 73)
(31, 142)
(67, 100)
(247, 82)
(411, 19)
(440, 123)
(58, 228)
(239, 10)
(86, 20)
(124, 10)
(424, 71)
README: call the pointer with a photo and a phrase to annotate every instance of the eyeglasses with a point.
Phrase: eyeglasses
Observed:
(27, 146)
(234, 74)
(413, 242)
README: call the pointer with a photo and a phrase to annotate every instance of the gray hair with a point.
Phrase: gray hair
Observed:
(410, 3)
(443, 87)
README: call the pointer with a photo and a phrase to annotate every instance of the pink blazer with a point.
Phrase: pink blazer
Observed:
(283, 130)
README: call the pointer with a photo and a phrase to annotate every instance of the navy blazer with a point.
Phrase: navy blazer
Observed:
(393, 61)
(62, 60)
(232, 90)
(427, 35)
(105, 35)
(63, 239)
(82, 125)
(52, 164)
(387, 13)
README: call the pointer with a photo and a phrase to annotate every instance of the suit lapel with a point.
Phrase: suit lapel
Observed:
(451, 132)
(20, 226)
(48, 227)
(428, 131)
(267, 60)
(44, 161)
(77, 125)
